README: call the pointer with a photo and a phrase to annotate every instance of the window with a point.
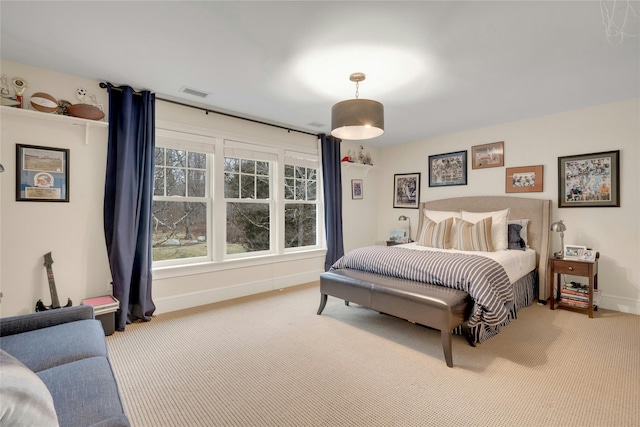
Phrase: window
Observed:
(252, 200)
(300, 211)
(247, 190)
(180, 205)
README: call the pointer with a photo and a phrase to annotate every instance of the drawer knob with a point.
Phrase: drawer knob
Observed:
(570, 268)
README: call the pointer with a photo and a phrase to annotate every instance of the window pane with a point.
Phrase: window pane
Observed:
(288, 171)
(197, 183)
(179, 230)
(262, 168)
(231, 164)
(301, 172)
(301, 186)
(311, 190)
(247, 186)
(177, 158)
(158, 184)
(176, 182)
(159, 156)
(248, 227)
(248, 166)
(197, 160)
(262, 188)
(300, 225)
(312, 173)
(232, 185)
(288, 188)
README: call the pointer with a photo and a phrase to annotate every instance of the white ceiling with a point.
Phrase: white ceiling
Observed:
(438, 67)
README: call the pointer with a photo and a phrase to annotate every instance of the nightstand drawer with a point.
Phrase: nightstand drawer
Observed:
(571, 267)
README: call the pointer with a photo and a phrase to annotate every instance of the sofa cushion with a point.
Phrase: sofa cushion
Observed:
(48, 347)
(25, 399)
(85, 393)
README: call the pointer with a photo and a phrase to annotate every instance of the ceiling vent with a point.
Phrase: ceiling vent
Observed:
(194, 92)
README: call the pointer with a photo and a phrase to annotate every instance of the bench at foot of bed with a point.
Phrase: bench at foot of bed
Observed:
(430, 305)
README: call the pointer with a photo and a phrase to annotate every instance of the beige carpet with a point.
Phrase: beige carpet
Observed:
(269, 360)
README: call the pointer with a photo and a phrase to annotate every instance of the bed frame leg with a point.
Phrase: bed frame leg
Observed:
(466, 332)
(446, 346)
(323, 302)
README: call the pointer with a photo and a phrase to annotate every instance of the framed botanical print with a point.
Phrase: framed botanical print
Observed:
(589, 180)
(406, 190)
(448, 169)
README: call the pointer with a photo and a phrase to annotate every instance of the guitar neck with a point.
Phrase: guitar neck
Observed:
(55, 303)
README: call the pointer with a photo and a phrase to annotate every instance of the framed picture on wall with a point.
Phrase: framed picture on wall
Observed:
(524, 179)
(42, 174)
(406, 190)
(487, 155)
(589, 180)
(356, 189)
(448, 169)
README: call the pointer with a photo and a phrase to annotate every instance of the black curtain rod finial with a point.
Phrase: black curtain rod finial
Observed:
(103, 85)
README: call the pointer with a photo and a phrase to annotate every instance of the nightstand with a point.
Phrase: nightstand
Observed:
(572, 267)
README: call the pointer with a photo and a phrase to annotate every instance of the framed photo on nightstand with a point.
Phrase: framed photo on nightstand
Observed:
(573, 251)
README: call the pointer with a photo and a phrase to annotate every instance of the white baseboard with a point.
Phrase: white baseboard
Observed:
(625, 305)
(195, 299)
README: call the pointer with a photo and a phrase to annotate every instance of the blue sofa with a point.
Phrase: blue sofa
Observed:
(64, 349)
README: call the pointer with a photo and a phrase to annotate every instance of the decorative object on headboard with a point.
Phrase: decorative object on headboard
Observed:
(559, 227)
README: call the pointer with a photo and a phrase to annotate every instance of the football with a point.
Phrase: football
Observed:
(43, 102)
(85, 111)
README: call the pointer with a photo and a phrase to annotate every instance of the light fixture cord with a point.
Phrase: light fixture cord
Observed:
(357, 89)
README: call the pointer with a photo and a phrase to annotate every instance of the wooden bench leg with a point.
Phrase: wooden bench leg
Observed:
(323, 302)
(446, 346)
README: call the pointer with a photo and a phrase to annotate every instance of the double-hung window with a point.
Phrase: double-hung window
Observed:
(217, 199)
(181, 198)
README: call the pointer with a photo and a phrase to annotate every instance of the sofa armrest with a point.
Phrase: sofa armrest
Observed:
(44, 319)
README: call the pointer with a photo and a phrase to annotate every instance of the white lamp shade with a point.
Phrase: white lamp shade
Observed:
(357, 119)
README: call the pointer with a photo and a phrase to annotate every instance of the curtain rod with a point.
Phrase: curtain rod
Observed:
(207, 111)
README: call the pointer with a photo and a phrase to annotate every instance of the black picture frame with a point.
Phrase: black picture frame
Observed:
(448, 169)
(42, 174)
(406, 190)
(589, 180)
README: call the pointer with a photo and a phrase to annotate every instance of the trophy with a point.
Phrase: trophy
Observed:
(19, 85)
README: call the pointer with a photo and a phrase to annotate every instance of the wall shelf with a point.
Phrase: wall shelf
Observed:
(358, 166)
(73, 121)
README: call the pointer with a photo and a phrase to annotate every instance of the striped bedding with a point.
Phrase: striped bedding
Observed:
(484, 279)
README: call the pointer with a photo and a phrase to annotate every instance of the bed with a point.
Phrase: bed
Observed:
(499, 282)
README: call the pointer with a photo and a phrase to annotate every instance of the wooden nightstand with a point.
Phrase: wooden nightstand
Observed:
(575, 268)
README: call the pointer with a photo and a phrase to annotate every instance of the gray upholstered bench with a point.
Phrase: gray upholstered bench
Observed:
(434, 306)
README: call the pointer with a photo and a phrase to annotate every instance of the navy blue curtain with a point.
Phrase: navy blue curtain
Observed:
(332, 184)
(128, 199)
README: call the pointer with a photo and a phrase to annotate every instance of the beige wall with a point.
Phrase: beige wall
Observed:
(615, 232)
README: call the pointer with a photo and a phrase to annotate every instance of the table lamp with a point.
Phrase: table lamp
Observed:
(559, 227)
(406, 218)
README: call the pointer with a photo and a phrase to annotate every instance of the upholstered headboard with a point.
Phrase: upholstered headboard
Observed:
(537, 211)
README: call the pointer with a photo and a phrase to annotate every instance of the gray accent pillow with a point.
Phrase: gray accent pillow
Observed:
(515, 241)
(24, 399)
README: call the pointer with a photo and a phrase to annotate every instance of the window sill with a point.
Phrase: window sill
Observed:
(231, 264)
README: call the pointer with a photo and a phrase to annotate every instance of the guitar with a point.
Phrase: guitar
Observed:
(52, 288)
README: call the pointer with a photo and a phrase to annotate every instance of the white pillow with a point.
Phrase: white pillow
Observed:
(26, 400)
(499, 227)
(523, 231)
(439, 216)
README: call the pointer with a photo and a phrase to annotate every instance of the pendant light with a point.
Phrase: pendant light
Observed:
(356, 119)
